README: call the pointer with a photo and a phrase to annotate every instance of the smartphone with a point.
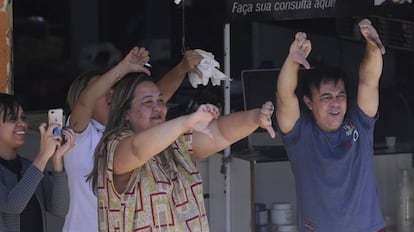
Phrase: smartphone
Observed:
(56, 116)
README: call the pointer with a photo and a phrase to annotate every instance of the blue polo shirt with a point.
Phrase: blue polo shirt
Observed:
(334, 175)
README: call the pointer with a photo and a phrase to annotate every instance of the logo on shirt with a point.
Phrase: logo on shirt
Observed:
(350, 130)
(348, 127)
(309, 226)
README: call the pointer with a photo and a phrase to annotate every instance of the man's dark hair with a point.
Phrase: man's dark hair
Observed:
(316, 76)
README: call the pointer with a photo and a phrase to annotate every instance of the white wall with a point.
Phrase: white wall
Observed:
(216, 190)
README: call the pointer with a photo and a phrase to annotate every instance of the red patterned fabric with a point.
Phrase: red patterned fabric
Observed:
(165, 194)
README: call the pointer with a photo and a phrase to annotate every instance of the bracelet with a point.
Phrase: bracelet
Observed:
(116, 76)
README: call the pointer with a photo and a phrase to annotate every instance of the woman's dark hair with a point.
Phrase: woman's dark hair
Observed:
(9, 104)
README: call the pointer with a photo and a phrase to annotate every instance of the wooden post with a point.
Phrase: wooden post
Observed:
(6, 41)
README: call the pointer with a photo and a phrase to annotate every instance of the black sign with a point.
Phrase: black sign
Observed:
(271, 10)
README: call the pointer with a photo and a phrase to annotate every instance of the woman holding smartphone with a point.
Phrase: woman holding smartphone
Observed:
(26, 192)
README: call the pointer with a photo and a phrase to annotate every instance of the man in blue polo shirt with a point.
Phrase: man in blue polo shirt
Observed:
(330, 148)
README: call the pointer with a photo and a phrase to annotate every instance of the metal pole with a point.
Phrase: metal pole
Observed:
(227, 111)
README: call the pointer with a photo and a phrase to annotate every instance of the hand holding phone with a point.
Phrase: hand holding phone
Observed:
(55, 116)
